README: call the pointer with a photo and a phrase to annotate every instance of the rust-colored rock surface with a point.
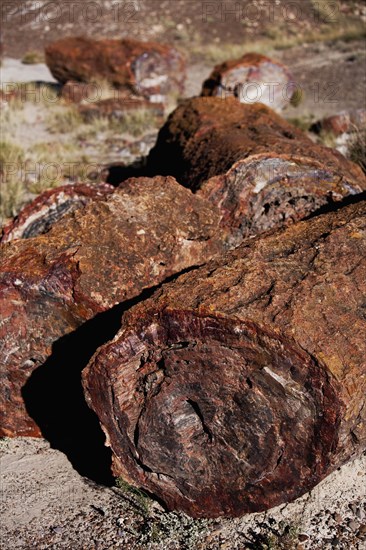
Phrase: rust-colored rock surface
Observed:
(253, 78)
(48, 208)
(278, 190)
(94, 258)
(206, 136)
(260, 170)
(344, 122)
(242, 384)
(149, 69)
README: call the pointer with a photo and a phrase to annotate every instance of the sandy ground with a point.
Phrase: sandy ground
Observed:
(13, 70)
(45, 503)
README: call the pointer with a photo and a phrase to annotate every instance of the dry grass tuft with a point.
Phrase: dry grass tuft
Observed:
(32, 58)
(11, 188)
(278, 40)
(64, 121)
(357, 149)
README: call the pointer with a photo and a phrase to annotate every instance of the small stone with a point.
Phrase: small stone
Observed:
(303, 537)
(353, 507)
(337, 517)
(362, 529)
(353, 525)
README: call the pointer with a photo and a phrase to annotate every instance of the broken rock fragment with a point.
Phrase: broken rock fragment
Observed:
(48, 208)
(94, 258)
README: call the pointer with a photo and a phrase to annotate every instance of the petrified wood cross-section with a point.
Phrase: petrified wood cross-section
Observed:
(260, 170)
(242, 384)
(50, 206)
(94, 258)
(252, 78)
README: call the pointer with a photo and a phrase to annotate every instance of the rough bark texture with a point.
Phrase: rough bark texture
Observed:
(144, 68)
(242, 384)
(252, 78)
(48, 208)
(260, 170)
(91, 260)
(206, 136)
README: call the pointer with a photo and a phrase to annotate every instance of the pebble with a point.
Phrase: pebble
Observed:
(353, 507)
(353, 525)
(337, 517)
(362, 529)
(303, 537)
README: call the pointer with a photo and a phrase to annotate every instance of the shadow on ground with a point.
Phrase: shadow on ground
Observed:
(54, 397)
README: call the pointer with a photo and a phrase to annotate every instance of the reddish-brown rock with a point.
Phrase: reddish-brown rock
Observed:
(253, 78)
(278, 190)
(242, 384)
(94, 258)
(344, 122)
(260, 170)
(206, 136)
(149, 69)
(49, 207)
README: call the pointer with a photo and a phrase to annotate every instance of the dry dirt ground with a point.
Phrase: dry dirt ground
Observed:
(46, 503)
(58, 493)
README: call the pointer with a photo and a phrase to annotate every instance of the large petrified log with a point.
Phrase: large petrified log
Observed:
(253, 78)
(243, 384)
(144, 68)
(50, 206)
(104, 254)
(259, 169)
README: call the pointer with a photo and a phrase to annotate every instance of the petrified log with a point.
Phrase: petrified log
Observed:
(94, 258)
(144, 68)
(260, 170)
(48, 208)
(252, 78)
(242, 384)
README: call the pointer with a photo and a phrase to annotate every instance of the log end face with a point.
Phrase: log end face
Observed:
(252, 78)
(268, 191)
(51, 206)
(216, 417)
